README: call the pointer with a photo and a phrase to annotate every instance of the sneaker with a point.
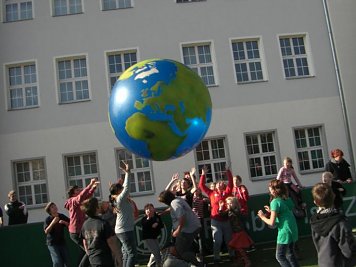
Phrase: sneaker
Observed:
(251, 249)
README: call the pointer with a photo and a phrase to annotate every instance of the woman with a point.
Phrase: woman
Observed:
(339, 167)
(125, 221)
(280, 213)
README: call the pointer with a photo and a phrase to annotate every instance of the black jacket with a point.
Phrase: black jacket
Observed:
(333, 238)
(340, 170)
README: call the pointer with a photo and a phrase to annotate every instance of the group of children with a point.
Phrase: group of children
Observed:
(187, 204)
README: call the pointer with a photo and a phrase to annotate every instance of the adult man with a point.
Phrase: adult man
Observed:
(16, 210)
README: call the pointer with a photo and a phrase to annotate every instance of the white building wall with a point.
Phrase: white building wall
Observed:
(157, 28)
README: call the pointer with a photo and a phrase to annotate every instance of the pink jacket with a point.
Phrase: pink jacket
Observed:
(76, 215)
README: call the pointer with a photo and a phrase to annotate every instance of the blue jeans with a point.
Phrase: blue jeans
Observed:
(128, 248)
(59, 255)
(221, 230)
(285, 255)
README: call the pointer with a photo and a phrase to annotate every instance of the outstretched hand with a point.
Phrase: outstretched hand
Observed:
(127, 167)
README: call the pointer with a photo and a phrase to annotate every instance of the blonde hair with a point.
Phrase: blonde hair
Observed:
(234, 202)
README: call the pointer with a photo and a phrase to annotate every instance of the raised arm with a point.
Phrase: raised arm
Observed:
(174, 179)
(202, 180)
(194, 183)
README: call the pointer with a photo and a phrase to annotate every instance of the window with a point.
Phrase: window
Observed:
(310, 146)
(261, 154)
(294, 56)
(73, 80)
(31, 180)
(16, 10)
(247, 61)
(213, 154)
(67, 7)
(80, 169)
(199, 59)
(116, 4)
(22, 86)
(118, 62)
(187, 1)
(140, 171)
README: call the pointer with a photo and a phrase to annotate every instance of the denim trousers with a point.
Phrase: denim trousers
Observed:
(221, 230)
(128, 248)
(285, 255)
(59, 255)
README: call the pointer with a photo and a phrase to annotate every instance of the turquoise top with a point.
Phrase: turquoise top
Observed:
(285, 221)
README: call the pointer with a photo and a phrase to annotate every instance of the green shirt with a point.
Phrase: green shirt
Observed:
(285, 221)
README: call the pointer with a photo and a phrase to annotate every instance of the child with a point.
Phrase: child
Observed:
(54, 229)
(240, 239)
(338, 189)
(331, 232)
(151, 229)
(281, 214)
(285, 174)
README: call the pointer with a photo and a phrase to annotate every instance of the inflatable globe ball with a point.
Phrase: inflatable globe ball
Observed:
(160, 109)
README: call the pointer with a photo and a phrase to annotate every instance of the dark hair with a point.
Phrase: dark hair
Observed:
(279, 188)
(166, 197)
(90, 206)
(114, 190)
(323, 195)
(238, 177)
(71, 190)
(147, 206)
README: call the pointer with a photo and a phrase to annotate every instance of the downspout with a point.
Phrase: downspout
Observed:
(340, 88)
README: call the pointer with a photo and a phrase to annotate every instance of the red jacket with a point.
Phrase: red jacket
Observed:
(241, 193)
(215, 196)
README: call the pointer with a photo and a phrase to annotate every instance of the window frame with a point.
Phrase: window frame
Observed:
(134, 171)
(83, 178)
(122, 54)
(68, 13)
(198, 66)
(261, 155)
(261, 59)
(309, 149)
(216, 166)
(18, 10)
(22, 86)
(72, 79)
(31, 182)
(117, 3)
(307, 55)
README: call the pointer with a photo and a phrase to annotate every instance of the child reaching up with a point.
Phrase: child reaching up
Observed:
(240, 240)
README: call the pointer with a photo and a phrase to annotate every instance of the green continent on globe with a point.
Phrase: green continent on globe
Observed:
(162, 142)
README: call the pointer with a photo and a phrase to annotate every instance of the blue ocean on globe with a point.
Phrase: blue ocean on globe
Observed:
(160, 109)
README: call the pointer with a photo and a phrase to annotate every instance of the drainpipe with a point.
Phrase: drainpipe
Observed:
(340, 88)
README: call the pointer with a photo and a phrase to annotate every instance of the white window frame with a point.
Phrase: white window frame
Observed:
(310, 153)
(19, 11)
(199, 66)
(140, 169)
(117, 4)
(72, 80)
(213, 152)
(33, 176)
(67, 7)
(261, 59)
(188, 1)
(124, 65)
(296, 57)
(26, 88)
(258, 155)
(82, 179)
